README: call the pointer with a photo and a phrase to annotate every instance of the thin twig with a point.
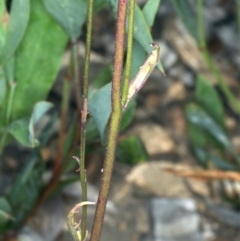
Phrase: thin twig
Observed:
(84, 117)
(129, 51)
(115, 120)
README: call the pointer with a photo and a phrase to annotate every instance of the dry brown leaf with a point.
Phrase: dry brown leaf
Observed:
(204, 175)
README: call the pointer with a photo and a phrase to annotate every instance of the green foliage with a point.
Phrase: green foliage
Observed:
(98, 4)
(20, 11)
(100, 108)
(70, 14)
(33, 38)
(185, 12)
(209, 100)
(3, 86)
(23, 129)
(197, 116)
(35, 73)
(26, 189)
(5, 213)
(195, 26)
(141, 29)
(26, 78)
(206, 128)
(103, 78)
(131, 151)
(150, 10)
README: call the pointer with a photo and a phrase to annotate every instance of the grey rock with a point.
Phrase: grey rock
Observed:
(188, 79)
(168, 56)
(28, 234)
(175, 219)
(236, 59)
(212, 14)
(208, 232)
(225, 214)
(49, 219)
(152, 179)
(229, 36)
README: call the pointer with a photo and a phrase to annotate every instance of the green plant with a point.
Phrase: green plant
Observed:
(195, 25)
(26, 80)
(205, 115)
(207, 131)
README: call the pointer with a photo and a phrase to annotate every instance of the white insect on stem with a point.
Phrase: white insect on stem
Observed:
(78, 160)
(144, 71)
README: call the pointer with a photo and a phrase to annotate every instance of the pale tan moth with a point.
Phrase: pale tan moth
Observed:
(145, 70)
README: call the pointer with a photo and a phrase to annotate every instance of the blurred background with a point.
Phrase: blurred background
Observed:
(176, 176)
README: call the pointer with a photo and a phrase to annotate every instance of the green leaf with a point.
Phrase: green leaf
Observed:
(131, 151)
(3, 86)
(150, 10)
(92, 132)
(5, 213)
(39, 110)
(70, 14)
(185, 12)
(98, 5)
(141, 30)
(46, 132)
(37, 60)
(209, 99)
(103, 78)
(142, 33)
(128, 115)
(100, 108)
(3, 25)
(19, 129)
(197, 135)
(195, 115)
(9, 69)
(138, 58)
(100, 102)
(23, 129)
(221, 164)
(26, 190)
(17, 25)
(202, 155)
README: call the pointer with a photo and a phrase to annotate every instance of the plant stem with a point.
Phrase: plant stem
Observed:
(88, 48)
(115, 120)
(203, 45)
(129, 51)
(12, 86)
(82, 171)
(84, 117)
